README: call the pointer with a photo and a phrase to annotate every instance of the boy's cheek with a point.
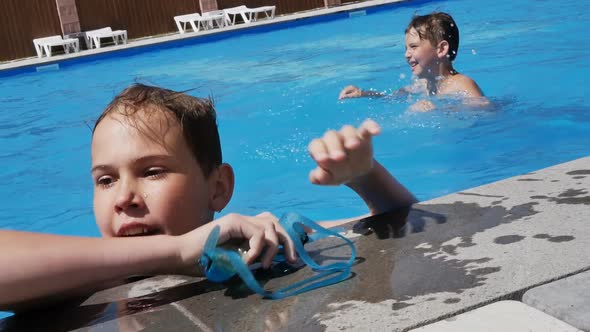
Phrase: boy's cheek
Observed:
(101, 215)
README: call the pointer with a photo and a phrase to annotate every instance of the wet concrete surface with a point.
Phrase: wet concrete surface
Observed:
(415, 266)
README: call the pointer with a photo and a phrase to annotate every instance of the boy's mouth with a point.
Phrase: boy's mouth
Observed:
(137, 229)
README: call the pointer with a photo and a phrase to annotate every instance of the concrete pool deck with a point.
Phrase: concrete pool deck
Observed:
(42, 63)
(451, 255)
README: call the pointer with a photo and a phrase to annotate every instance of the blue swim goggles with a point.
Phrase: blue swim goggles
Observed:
(221, 264)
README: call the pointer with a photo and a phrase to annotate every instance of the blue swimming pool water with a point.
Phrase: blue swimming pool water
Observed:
(277, 90)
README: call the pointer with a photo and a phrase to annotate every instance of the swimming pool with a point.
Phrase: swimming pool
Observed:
(276, 90)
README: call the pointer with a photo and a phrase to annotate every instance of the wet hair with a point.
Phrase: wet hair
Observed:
(196, 117)
(436, 27)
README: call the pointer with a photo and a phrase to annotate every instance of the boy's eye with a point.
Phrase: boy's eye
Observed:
(105, 181)
(155, 172)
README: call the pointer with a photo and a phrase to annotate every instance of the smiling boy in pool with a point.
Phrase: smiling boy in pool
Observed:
(158, 180)
(432, 44)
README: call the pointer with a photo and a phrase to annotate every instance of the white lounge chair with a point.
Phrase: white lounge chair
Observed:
(46, 43)
(248, 14)
(93, 37)
(269, 11)
(216, 18)
(208, 20)
(195, 20)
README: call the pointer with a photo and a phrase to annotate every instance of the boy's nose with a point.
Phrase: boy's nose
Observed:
(407, 54)
(127, 197)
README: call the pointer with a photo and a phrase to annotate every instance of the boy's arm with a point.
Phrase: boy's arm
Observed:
(346, 157)
(352, 91)
(381, 191)
(46, 268)
(38, 269)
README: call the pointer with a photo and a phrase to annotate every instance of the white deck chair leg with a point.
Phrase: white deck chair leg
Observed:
(245, 17)
(47, 50)
(220, 22)
(39, 50)
(226, 20)
(196, 27)
(180, 26)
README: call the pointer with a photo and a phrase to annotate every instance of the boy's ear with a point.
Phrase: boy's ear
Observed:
(442, 49)
(221, 188)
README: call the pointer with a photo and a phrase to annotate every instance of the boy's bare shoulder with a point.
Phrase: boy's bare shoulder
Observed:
(464, 84)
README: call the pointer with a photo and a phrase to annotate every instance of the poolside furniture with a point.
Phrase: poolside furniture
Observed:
(93, 37)
(193, 19)
(269, 11)
(248, 14)
(46, 43)
(208, 20)
(215, 18)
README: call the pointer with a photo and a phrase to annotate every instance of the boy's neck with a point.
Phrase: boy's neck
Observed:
(436, 82)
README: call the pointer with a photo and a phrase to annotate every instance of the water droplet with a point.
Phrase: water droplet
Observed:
(452, 25)
(402, 76)
(473, 52)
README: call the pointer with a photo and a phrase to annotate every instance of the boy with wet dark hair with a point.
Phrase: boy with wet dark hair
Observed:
(158, 180)
(432, 44)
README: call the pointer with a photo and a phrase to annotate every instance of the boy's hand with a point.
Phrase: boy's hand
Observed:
(350, 91)
(344, 155)
(422, 105)
(261, 233)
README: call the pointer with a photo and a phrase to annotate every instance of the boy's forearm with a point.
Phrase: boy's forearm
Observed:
(39, 266)
(381, 191)
(371, 93)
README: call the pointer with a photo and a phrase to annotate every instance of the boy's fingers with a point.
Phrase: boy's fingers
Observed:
(350, 137)
(334, 147)
(327, 157)
(347, 92)
(317, 150)
(320, 176)
(288, 246)
(272, 245)
(256, 244)
(368, 129)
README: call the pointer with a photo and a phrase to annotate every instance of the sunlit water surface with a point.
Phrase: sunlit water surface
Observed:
(275, 91)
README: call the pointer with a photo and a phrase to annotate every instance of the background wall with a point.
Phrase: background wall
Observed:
(21, 21)
(139, 17)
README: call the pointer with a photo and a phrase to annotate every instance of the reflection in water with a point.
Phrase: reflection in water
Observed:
(75, 315)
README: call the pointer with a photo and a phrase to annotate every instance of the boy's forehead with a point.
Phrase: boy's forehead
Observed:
(154, 125)
(149, 119)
